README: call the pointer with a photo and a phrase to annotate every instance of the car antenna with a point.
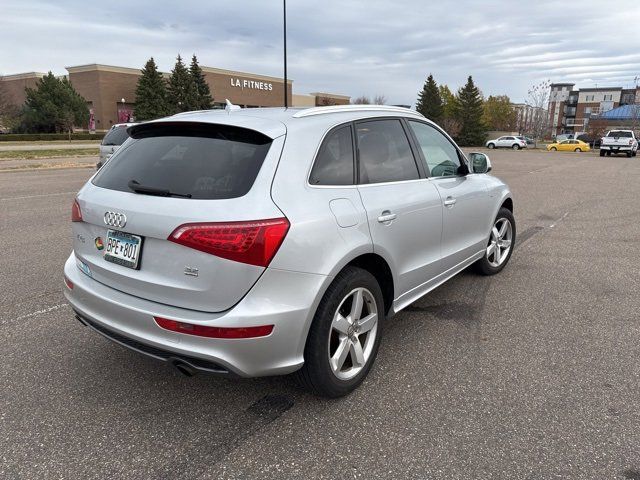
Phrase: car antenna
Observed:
(231, 107)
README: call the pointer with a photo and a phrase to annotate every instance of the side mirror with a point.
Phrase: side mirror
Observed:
(480, 162)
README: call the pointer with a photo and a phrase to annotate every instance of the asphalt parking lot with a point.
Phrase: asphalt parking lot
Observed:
(531, 374)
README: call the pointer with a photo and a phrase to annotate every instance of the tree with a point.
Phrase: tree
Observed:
(53, 106)
(9, 113)
(429, 101)
(499, 114)
(203, 100)
(538, 100)
(364, 100)
(181, 91)
(472, 128)
(151, 93)
(449, 120)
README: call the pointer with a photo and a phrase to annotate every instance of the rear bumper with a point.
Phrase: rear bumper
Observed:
(281, 298)
(614, 148)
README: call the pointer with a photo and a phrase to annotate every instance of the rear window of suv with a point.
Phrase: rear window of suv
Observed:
(199, 161)
(616, 133)
(115, 136)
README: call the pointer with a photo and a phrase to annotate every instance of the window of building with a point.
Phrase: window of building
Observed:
(384, 152)
(608, 98)
(587, 110)
(590, 98)
(334, 164)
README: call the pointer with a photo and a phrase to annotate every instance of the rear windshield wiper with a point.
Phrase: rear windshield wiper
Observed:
(162, 192)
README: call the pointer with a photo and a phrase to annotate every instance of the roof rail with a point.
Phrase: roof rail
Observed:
(308, 112)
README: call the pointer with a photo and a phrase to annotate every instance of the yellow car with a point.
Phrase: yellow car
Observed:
(569, 146)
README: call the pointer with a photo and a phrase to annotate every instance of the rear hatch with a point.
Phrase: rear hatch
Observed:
(217, 177)
(618, 138)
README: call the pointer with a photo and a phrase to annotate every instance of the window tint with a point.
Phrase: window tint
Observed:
(384, 152)
(619, 133)
(334, 164)
(115, 136)
(200, 160)
(508, 138)
(440, 154)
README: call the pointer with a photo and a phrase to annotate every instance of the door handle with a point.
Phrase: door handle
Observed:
(386, 216)
(450, 202)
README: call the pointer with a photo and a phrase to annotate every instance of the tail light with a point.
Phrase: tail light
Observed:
(214, 332)
(254, 242)
(68, 283)
(76, 213)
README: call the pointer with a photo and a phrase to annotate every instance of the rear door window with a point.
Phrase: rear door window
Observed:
(384, 152)
(334, 164)
(200, 161)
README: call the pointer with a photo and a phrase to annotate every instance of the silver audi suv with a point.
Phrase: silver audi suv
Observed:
(269, 241)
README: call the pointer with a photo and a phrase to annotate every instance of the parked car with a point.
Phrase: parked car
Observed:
(569, 146)
(507, 142)
(619, 141)
(212, 244)
(592, 141)
(112, 141)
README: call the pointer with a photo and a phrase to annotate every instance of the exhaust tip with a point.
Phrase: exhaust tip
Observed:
(184, 368)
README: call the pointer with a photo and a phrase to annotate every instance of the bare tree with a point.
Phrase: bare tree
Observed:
(361, 100)
(379, 100)
(538, 100)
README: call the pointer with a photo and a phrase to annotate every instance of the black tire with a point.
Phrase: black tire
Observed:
(316, 374)
(602, 152)
(608, 154)
(515, 146)
(553, 149)
(491, 146)
(629, 154)
(483, 266)
(634, 153)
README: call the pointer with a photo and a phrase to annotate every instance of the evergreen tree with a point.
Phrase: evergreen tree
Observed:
(181, 91)
(54, 106)
(429, 101)
(204, 100)
(470, 111)
(151, 93)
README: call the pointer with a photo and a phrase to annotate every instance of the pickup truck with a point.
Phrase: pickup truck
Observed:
(619, 141)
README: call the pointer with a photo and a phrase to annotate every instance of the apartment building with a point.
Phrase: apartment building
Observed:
(572, 110)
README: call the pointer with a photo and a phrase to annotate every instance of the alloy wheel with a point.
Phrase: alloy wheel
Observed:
(353, 333)
(500, 242)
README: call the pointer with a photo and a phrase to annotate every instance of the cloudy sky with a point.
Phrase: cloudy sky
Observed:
(352, 47)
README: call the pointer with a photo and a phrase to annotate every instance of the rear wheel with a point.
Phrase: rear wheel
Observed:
(629, 154)
(515, 146)
(491, 146)
(577, 150)
(344, 337)
(553, 149)
(501, 242)
(602, 152)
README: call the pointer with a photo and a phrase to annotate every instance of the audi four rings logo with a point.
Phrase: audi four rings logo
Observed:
(114, 219)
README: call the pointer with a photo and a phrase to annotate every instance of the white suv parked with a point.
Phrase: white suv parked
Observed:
(508, 141)
(267, 241)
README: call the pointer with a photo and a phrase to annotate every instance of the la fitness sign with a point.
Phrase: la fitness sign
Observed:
(253, 84)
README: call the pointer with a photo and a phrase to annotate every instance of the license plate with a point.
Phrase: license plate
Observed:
(123, 248)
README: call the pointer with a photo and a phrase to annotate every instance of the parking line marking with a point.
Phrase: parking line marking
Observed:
(36, 196)
(44, 310)
(560, 219)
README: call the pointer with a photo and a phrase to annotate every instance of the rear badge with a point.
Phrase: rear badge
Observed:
(191, 271)
(99, 243)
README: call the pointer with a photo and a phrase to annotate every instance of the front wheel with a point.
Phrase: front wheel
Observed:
(515, 146)
(344, 336)
(501, 242)
(577, 150)
(602, 152)
(553, 149)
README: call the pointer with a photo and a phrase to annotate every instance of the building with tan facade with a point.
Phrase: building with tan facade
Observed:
(110, 90)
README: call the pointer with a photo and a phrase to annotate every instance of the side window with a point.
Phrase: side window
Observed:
(384, 152)
(334, 163)
(440, 154)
